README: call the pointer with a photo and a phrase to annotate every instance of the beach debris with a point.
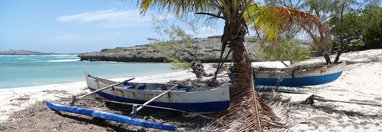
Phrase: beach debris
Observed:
(198, 69)
(248, 112)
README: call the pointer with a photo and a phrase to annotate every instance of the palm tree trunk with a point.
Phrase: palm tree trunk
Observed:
(247, 109)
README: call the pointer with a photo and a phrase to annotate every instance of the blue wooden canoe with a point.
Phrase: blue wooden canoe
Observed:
(298, 76)
(110, 116)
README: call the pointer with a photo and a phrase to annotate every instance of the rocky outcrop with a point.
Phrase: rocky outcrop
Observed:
(208, 50)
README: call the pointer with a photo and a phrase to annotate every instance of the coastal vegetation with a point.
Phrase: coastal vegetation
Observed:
(356, 29)
(288, 50)
(353, 24)
(176, 40)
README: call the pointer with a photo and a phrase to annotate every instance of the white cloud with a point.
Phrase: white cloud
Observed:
(108, 18)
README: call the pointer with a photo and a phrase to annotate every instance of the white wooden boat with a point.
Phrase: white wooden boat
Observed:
(190, 99)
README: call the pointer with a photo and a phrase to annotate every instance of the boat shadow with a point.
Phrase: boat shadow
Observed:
(178, 119)
(95, 121)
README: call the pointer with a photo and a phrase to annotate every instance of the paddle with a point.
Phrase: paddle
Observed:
(151, 100)
(74, 98)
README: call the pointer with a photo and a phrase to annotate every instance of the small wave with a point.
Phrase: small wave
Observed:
(64, 55)
(20, 58)
(64, 60)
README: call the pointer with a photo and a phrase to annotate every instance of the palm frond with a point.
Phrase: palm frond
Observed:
(272, 21)
(179, 6)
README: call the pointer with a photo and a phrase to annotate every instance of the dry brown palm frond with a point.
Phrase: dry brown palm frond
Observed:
(248, 111)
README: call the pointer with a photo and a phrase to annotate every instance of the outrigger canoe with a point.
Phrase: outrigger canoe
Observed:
(298, 76)
(110, 116)
(185, 98)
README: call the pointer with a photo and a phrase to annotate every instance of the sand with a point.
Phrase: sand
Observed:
(360, 82)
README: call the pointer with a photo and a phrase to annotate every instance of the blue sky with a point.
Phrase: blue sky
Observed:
(72, 26)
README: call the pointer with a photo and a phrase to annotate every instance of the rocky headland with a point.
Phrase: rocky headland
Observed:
(208, 51)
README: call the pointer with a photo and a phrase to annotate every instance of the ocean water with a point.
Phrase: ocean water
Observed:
(32, 70)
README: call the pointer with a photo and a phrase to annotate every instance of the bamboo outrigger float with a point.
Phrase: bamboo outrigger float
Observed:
(110, 116)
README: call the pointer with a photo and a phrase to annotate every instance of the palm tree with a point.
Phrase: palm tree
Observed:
(247, 108)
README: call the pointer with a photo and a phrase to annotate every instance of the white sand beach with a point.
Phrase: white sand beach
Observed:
(360, 82)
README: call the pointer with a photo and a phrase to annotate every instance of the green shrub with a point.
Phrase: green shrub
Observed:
(177, 64)
(289, 50)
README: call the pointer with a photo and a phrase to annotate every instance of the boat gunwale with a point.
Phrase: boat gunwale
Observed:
(296, 69)
(332, 69)
(100, 80)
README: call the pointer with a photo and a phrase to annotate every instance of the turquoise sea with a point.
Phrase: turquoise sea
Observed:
(32, 70)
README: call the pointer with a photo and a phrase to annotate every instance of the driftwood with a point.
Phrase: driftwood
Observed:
(312, 98)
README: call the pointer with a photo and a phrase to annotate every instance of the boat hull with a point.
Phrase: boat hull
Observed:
(299, 81)
(299, 76)
(211, 100)
(295, 77)
(110, 116)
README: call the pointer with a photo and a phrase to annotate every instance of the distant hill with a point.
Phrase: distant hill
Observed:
(208, 50)
(23, 52)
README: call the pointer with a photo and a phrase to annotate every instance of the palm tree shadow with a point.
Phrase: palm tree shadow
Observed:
(327, 109)
(350, 113)
(96, 121)
(332, 109)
